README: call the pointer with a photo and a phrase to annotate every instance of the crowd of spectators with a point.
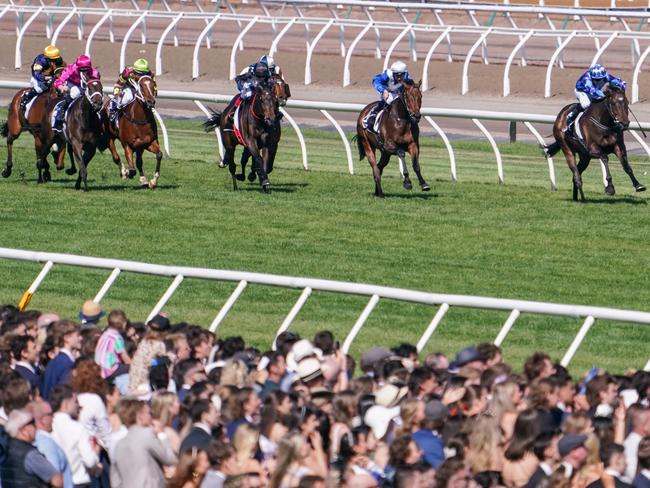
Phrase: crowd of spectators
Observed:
(107, 402)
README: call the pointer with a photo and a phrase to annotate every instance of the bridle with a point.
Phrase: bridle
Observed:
(618, 125)
(402, 98)
(86, 84)
(252, 109)
(137, 87)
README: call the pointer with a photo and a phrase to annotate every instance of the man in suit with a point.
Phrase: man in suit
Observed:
(642, 479)
(57, 372)
(546, 450)
(204, 417)
(613, 457)
(25, 354)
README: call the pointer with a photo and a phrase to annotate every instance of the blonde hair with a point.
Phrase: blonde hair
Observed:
(501, 401)
(485, 439)
(578, 423)
(234, 373)
(245, 442)
(408, 411)
(161, 405)
(289, 449)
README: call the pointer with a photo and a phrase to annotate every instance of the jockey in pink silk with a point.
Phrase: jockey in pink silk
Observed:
(69, 84)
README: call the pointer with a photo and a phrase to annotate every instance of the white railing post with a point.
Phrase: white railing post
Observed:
(27, 296)
(481, 39)
(450, 150)
(549, 68)
(278, 38)
(433, 325)
(163, 128)
(393, 45)
(292, 314)
(19, 41)
(425, 69)
(359, 323)
(126, 39)
(216, 131)
(577, 341)
(197, 45)
(161, 41)
(107, 285)
(510, 321)
(635, 75)
(549, 160)
(348, 56)
(233, 51)
(602, 49)
(310, 50)
(66, 19)
(346, 143)
(506, 71)
(94, 30)
(301, 139)
(165, 298)
(495, 148)
(228, 305)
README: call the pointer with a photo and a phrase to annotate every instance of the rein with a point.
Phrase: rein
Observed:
(253, 108)
(139, 97)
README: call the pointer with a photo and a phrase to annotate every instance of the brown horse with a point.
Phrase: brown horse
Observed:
(136, 128)
(256, 119)
(398, 132)
(82, 132)
(16, 123)
(601, 126)
(282, 93)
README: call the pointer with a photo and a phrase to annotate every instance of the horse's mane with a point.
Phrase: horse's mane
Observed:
(409, 82)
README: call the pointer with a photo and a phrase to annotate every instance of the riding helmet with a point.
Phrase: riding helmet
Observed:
(141, 66)
(52, 52)
(597, 72)
(398, 67)
(267, 60)
(84, 62)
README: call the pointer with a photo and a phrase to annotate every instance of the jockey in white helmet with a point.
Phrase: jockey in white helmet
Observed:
(388, 84)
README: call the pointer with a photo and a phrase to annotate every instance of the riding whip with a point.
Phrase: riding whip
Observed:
(637, 121)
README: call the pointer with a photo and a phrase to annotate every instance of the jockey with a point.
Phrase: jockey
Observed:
(69, 85)
(123, 91)
(589, 87)
(255, 74)
(43, 69)
(389, 84)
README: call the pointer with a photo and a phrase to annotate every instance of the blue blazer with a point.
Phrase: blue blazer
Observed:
(56, 373)
(33, 378)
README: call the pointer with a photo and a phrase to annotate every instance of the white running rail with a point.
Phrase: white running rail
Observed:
(309, 285)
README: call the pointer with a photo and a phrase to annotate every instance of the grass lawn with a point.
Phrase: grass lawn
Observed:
(517, 240)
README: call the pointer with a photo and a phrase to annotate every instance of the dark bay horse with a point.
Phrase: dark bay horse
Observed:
(282, 93)
(398, 133)
(601, 126)
(256, 119)
(16, 123)
(82, 131)
(136, 128)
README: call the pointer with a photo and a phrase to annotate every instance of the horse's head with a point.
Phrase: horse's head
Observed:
(146, 90)
(412, 96)
(93, 92)
(280, 89)
(266, 103)
(617, 106)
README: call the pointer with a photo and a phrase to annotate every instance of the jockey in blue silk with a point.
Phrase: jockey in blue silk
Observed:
(255, 74)
(43, 69)
(589, 87)
(389, 85)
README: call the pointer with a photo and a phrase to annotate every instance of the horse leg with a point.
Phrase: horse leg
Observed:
(609, 188)
(260, 167)
(11, 137)
(582, 166)
(229, 159)
(116, 157)
(372, 160)
(245, 156)
(72, 169)
(138, 162)
(621, 154)
(154, 147)
(128, 152)
(403, 169)
(414, 151)
(76, 151)
(571, 162)
(44, 165)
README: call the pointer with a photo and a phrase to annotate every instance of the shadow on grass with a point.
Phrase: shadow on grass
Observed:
(411, 196)
(612, 201)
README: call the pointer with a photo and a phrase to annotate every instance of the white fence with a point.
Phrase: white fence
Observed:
(309, 285)
(438, 36)
(325, 108)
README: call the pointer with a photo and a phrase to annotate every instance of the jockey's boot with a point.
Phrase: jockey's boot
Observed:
(112, 110)
(571, 117)
(26, 98)
(61, 108)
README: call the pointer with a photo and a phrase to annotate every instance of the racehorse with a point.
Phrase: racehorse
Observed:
(282, 93)
(601, 126)
(135, 127)
(256, 119)
(398, 132)
(82, 131)
(16, 123)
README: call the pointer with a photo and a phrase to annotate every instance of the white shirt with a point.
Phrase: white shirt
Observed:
(631, 445)
(205, 427)
(94, 417)
(75, 441)
(547, 468)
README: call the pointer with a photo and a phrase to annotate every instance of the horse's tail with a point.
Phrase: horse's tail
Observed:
(552, 149)
(213, 121)
(362, 152)
(4, 129)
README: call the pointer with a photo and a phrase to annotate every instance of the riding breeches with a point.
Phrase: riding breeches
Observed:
(125, 97)
(583, 98)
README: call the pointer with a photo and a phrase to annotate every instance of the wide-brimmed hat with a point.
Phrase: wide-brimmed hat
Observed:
(300, 350)
(464, 357)
(378, 418)
(570, 442)
(90, 312)
(309, 369)
(390, 395)
(159, 323)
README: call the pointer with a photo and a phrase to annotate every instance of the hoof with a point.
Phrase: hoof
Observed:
(40, 180)
(407, 185)
(266, 186)
(426, 187)
(143, 181)
(77, 186)
(609, 189)
(240, 177)
(638, 188)
(6, 173)
(70, 171)
(131, 174)
(251, 176)
(47, 176)
(153, 184)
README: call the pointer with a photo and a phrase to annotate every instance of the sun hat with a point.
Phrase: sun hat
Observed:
(390, 395)
(570, 442)
(300, 350)
(309, 369)
(90, 312)
(159, 323)
(464, 357)
(378, 418)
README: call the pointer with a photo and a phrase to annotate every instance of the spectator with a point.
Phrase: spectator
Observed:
(149, 347)
(90, 315)
(573, 453)
(204, 417)
(246, 444)
(23, 465)
(429, 438)
(72, 436)
(164, 408)
(16, 393)
(642, 479)
(601, 395)
(221, 457)
(520, 463)
(613, 458)
(291, 462)
(276, 369)
(68, 339)
(110, 353)
(245, 408)
(640, 427)
(91, 391)
(139, 456)
(546, 450)
(538, 366)
(46, 444)
(25, 354)
(191, 469)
